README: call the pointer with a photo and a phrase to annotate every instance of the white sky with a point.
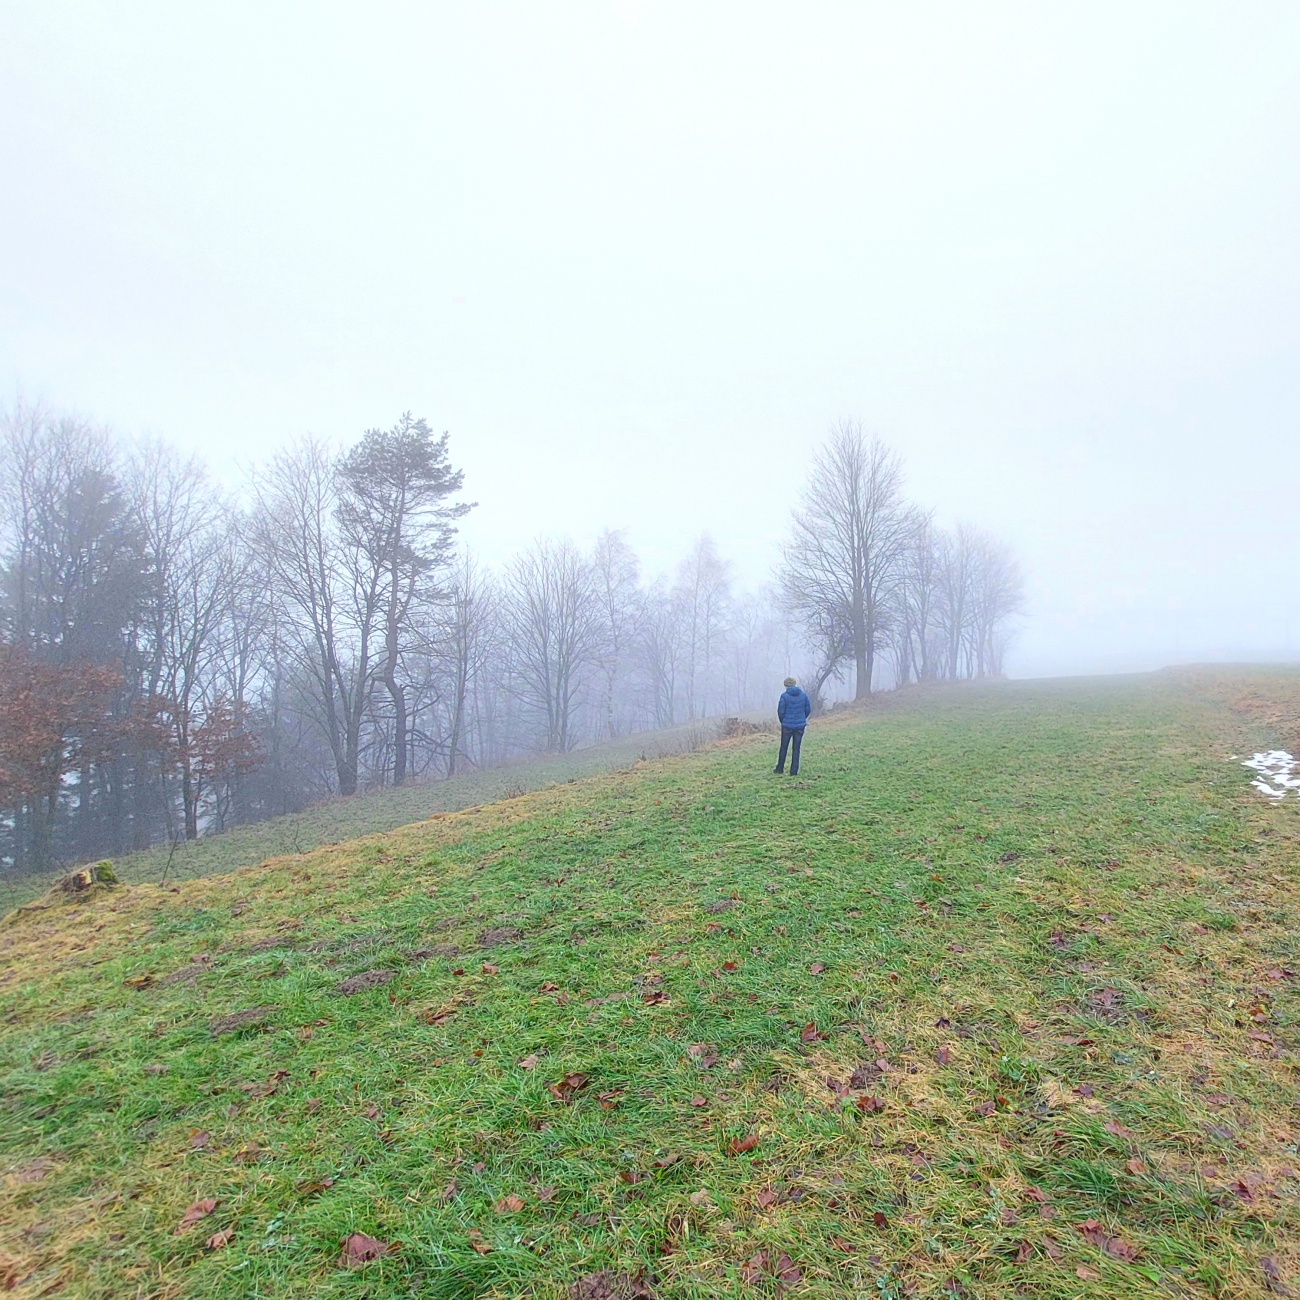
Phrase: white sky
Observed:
(638, 257)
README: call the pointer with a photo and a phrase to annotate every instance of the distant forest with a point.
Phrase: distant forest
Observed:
(176, 659)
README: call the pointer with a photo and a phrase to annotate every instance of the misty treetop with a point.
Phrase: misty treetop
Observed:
(176, 659)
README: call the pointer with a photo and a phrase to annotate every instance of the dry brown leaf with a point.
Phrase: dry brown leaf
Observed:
(199, 1210)
(360, 1248)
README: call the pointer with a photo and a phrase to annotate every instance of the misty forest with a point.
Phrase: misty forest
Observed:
(177, 658)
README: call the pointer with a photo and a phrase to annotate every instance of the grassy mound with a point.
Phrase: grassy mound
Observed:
(995, 999)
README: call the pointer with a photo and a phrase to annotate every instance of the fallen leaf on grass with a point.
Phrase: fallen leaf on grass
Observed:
(818, 967)
(565, 1090)
(477, 1240)
(698, 1101)
(1087, 1274)
(360, 1248)
(811, 1033)
(529, 1062)
(788, 1273)
(315, 1186)
(490, 969)
(703, 1055)
(880, 1219)
(608, 1100)
(1118, 1129)
(656, 999)
(199, 1210)
(199, 1139)
(870, 1104)
(511, 1204)
(546, 1194)
(738, 1146)
(1093, 1233)
(1135, 1166)
(221, 1239)
(1273, 1276)
(944, 1056)
(701, 1198)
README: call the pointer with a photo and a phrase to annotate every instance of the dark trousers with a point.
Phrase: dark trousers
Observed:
(787, 735)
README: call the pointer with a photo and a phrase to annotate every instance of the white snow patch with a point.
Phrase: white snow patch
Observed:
(1278, 773)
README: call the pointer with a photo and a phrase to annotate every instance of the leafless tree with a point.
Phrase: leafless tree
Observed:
(329, 602)
(552, 617)
(469, 640)
(703, 594)
(850, 537)
(659, 639)
(616, 572)
(184, 524)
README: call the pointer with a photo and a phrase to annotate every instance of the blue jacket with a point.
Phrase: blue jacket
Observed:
(794, 708)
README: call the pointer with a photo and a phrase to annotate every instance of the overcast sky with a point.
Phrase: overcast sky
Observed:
(638, 257)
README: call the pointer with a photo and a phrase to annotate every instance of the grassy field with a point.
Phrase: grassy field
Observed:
(369, 813)
(998, 998)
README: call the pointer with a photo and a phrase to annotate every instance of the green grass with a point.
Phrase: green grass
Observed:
(1047, 927)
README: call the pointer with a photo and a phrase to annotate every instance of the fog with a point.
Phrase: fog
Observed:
(639, 258)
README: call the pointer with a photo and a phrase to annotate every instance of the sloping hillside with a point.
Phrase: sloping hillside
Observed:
(371, 812)
(997, 998)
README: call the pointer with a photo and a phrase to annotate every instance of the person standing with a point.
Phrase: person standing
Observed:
(794, 708)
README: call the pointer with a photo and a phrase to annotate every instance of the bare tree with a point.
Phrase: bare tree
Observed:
(659, 649)
(469, 642)
(183, 523)
(916, 599)
(616, 572)
(998, 590)
(552, 613)
(850, 537)
(328, 607)
(703, 592)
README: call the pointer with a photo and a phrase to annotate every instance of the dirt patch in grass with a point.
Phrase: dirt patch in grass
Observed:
(235, 1020)
(371, 979)
(501, 934)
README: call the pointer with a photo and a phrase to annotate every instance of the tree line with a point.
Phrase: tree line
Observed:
(176, 658)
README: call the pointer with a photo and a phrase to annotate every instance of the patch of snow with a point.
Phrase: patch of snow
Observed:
(1278, 772)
